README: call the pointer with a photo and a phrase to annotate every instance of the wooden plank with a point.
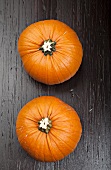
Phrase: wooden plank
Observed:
(88, 91)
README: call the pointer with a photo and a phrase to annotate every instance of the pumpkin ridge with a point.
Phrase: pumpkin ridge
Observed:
(67, 56)
(43, 146)
(29, 134)
(27, 60)
(62, 130)
(47, 139)
(63, 109)
(28, 53)
(59, 69)
(46, 68)
(59, 116)
(30, 58)
(40, 32)
(53, 115)
(31, 147)
(65, 120)
(32, 32)
(57, 119)
(54, 27)
(32, 120)
(59, 139)
(52, 138)
(49, 59)
(66, 111)
(73, 49)
(29, 46)
(31, 110)
(52, 61)
(33, 132)
(62, 47)
(45, 30)
(38, 28)
(47, 109)
(31, 141)
(71, 44)
(53, 30)
(64, 65)
(34, 64)
(53, 102)
(63, 62)
(60, 36)
(36, 149)
(23, 138)
(39, 110)
(29, 40)
(50, 108)
(47, 153)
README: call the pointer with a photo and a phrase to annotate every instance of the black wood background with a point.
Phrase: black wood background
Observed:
(88, 91)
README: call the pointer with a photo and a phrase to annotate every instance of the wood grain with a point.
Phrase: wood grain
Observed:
(88, 91)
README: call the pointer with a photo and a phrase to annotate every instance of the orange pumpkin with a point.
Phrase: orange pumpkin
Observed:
(48, 129)
(50, 51)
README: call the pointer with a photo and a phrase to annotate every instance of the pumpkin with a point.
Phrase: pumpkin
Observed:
(50, 51)
(48, 129)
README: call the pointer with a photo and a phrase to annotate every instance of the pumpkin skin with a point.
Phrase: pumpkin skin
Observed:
(65, 60)
(63, 136)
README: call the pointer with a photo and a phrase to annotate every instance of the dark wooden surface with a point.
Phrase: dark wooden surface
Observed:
(88, 91)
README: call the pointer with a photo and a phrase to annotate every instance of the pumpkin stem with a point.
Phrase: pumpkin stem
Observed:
(48, 47)
(44, 125)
